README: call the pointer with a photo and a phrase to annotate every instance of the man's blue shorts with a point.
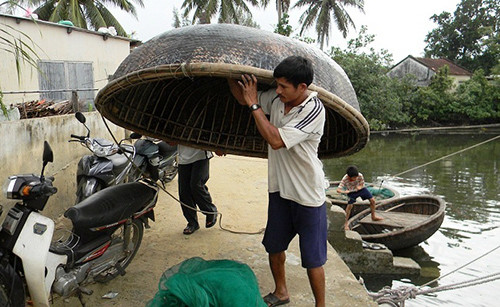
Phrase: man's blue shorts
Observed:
(363, 193)
(285, 219)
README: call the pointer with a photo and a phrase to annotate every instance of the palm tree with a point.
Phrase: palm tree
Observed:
(282, 7)
(323, 12)
(19, 45)
(86, 14)
(228, 10)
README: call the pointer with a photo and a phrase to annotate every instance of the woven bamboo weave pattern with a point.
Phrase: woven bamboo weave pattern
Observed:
(174, 87)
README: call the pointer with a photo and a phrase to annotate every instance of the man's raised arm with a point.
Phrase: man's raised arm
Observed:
(236, 90)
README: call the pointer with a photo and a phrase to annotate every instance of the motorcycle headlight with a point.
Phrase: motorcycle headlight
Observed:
(7, 187)
(103, 148)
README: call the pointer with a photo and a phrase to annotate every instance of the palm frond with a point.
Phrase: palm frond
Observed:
(45, 10)
(59, 12)
(93, 14)
(19, 48)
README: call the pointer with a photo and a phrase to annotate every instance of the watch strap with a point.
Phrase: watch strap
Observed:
(254, 107)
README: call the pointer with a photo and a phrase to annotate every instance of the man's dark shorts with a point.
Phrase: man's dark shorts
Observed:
(285, 219)
(363, 193)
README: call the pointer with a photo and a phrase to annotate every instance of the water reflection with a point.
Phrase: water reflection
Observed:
(468, 182)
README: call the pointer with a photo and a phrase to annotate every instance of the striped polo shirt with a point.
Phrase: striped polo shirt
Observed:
(295, 170)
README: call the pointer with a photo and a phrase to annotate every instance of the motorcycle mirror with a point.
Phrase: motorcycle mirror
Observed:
(48, 156)
(135, 135)
(80, 117)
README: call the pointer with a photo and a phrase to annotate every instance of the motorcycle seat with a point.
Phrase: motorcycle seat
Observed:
(110, 205)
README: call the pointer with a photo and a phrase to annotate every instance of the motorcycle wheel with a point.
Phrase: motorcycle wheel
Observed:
(83, 192)
(11, 288)
(136, 233)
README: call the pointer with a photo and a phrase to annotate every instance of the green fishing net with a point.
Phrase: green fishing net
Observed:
(382, 193)
(378, 192)
(199, 283)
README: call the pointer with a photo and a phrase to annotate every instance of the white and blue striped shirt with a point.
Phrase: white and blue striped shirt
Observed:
(295, 170)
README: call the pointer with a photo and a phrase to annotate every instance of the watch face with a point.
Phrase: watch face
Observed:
(254, 107)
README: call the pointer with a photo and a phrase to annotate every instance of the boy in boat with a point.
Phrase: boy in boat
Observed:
(353, 184)
(295, 177)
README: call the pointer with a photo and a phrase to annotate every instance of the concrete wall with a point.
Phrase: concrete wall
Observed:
(22, 147)
(54, 42)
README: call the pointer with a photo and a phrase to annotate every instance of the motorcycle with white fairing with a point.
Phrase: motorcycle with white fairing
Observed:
(107, 231)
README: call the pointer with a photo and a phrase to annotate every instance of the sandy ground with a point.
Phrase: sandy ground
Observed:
(238, 186)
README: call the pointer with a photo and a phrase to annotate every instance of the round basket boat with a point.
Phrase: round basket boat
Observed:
(407, 221)
(174, 87)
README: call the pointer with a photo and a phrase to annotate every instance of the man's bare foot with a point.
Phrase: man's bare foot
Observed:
(376, 218)
(346, 227)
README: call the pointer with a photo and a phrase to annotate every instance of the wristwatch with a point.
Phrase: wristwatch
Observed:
(254, 107)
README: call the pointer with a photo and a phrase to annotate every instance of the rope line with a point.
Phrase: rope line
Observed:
(444, 157)
(397, 296)
(463, 284)
(463, 266)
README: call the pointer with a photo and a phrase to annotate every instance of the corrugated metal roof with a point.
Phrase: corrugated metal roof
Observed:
(436, 64)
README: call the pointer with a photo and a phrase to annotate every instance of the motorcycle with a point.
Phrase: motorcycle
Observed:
(154, 159)
(107, 231)
(109, 164)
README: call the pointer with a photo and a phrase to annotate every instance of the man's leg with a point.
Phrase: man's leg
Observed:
(347, 214)
(372, 208)
(185, 195)
(317, 281)
(277, 264)
(200, 174)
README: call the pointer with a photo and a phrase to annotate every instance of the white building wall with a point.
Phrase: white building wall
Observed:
(56, 42)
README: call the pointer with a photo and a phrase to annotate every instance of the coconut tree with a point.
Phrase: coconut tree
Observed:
(228, 10)
(323, 13)
(282, 7)
(86, 14)
(17, 44)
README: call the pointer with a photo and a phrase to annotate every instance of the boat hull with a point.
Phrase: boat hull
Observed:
(407, 222)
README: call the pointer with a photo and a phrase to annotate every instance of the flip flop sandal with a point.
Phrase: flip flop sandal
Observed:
(377, 247)
(211, 220)
(190, 229)
(273, 300)
(373, 246)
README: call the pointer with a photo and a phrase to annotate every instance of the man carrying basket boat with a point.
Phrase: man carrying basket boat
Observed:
(295, 173)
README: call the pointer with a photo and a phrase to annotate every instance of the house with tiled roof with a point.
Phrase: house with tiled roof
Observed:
(425, 68)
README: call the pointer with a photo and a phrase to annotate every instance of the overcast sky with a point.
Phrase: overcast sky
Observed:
(399, 26)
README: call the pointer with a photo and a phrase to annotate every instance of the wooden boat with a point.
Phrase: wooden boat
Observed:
(379, 192)
(407, 221)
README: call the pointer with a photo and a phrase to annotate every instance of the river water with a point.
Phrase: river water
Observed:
(469, 183)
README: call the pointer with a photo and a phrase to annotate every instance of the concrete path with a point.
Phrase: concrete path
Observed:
(239, 188)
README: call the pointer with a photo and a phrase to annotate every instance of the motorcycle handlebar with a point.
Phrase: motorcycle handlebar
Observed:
(43, 189)
(123, 149)
(46, 189)
(81, 138)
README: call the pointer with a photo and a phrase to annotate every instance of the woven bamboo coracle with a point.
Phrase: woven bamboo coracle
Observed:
(174, 87)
